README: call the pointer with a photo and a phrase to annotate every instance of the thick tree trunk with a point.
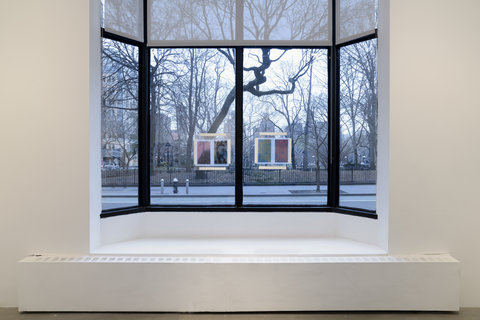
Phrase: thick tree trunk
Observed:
(294, 162)
(188, 157)
(307, 122)
(154, 113)
(191, 120)
(223, 111)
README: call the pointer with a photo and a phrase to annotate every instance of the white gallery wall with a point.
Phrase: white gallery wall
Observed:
(434, 133)
(44, 132)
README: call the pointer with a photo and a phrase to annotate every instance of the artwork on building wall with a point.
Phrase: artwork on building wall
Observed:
(282, 150)
(220, 149)
(203, 152)
(273, 152)
(264, 153)
(212, 151)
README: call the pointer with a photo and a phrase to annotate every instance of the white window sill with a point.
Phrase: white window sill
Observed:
(244, 247)
(239, 234)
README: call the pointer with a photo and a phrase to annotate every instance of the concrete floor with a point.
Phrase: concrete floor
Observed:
(464, 314)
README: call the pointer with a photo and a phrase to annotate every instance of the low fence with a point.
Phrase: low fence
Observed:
(251, 176)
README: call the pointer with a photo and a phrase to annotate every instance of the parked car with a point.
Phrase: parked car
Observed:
(110, 166)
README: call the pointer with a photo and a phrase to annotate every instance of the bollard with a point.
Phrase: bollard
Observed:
(162, 186)
(187, 184)
(175, 185)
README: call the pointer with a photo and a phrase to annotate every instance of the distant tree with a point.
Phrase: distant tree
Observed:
(359, 101)
(190, 89)
(287, 20)
(186, 95)
(319, 132)
(193, 20)
(120, 100)
(160, 122)
(253, 86)
(352, 91)
(365, 57)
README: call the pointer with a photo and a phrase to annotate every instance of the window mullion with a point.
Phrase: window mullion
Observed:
(144, 119)
(334, 130)
(143, 132)
(334, 117)
(238, 127)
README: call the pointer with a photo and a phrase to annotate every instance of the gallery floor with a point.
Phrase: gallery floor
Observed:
(464, 314)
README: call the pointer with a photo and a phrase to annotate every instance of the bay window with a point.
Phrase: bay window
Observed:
(246, 105)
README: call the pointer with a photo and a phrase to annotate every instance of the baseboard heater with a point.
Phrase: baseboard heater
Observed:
(230, 284)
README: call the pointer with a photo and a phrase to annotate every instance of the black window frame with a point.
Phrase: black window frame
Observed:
(333, 198)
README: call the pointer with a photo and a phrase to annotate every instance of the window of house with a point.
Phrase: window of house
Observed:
(239, 105)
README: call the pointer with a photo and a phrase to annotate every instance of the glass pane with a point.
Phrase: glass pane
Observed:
(192, 20)
(358, 125)
(124, 17)
(192, 126)
(286, 20)
(102, 13)
(285, 145)
(119, 125)
(356, 18)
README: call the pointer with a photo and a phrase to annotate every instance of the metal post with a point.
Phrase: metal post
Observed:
(175, 185)
(187, 185)
(162, 186)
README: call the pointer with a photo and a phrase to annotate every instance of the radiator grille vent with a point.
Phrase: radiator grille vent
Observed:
(241, 259)
(188, 283)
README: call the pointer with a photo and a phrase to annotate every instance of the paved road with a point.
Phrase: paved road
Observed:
(359, 196)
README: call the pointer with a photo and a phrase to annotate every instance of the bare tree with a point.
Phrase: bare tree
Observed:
(286, 20)
(186, 97)
(290, 111)
(160, 123)
(352, 98)
(253, 86)
(191, 93)
(123, 16)
(193, 20)
(119, 102)
(364, 55)
(264, 16)
(307, 106)
(309, 20)
(319, 131)
(359, 101)
(253, 115)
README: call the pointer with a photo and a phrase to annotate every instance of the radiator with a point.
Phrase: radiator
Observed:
(229, 284)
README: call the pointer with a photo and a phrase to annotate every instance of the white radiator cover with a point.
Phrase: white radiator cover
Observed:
(227, 284)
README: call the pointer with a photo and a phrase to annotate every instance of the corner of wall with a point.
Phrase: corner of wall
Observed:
(383, 169)
(95, 204)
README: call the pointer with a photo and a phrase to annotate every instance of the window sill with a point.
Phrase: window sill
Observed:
(239, 234)
(243, 247)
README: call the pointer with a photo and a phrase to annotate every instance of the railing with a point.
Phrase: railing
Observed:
(358, 176)
(251, 176)
(120, 177)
